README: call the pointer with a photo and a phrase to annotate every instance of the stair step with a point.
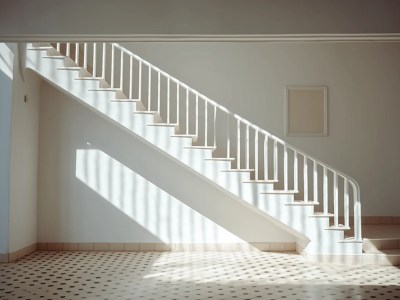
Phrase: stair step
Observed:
(281, 192)
(163, 124)
(220, 159)
(105, 90)
(88, 78)
(302, 203)
(41, 48)
(184, 135)
(260, 181)
(145, 112)
(321, 215)
(350, 240)
(200, 147)
(340, 227)
(70, 69)
(238, 170)
(54, 56)
(124, 100)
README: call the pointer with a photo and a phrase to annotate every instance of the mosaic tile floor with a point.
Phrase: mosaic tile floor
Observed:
(191, 275)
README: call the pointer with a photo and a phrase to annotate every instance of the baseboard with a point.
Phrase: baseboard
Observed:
(161, 247)
(10, 257)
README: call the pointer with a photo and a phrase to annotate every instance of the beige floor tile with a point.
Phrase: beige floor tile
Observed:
(191, 275)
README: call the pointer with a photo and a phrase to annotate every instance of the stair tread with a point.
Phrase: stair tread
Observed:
(199, 147)
(105, 90)
(280, 192)
(238, 170)
(88, 78)
(163, 124)
(54, 56)
(124, 100)
(150, 112)
(322, 215)
(302, 203)
(69, 68)
(184, 135)
(350, 240)
(41, 48)
(220, 159)
(340, 227)
(260, 181)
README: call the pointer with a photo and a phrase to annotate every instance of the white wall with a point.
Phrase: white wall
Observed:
(198, 17)
(6, 77)
(98, 183)
(363, 99)
(24, 157)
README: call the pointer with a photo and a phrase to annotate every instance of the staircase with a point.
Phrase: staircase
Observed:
(253, 165)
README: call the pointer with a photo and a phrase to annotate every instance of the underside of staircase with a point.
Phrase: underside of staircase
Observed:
(298, 192)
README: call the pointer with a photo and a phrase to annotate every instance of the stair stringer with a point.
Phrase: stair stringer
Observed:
(295, 218)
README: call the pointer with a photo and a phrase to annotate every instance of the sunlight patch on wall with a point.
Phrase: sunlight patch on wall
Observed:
(160, 213)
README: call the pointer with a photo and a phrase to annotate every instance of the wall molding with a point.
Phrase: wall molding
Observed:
(359, 37)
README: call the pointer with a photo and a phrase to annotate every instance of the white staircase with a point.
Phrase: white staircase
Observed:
(252, 164)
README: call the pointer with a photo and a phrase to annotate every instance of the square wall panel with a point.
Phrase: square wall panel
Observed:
(306, 111)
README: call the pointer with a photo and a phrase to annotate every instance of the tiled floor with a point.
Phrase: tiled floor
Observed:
(191, 275)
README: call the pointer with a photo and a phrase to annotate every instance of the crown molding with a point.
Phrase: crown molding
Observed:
(361, 37)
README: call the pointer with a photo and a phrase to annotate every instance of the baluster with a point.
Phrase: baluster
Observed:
(206, 123)
(68, 50)
(187, 111)
(94, 59)
(149, 91)
(275, 160)
(238, 144)
(159, 93)
(357, 214)
(112, 65)
(58, 47)
(266, 157)
(168, 100)
(121, 76)
(285, 168)
(315, 182)
(85, 56)
(77, 53)
(346, 202)
(131, 77)
(215, 127)
(296, 172)
(256, 154)
(228, 140)
(305, 178)
(325, 191)
(197, 115)
(335, 199)
(103, 67)
(177, 103)
(140, 80)
(247, 147)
